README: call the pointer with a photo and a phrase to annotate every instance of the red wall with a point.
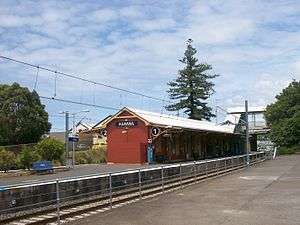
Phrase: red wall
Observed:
(129, 147)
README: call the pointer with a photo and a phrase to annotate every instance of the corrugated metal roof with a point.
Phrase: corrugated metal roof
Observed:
(101, 123)
(241, 109)
(181, 122)
(232, 118)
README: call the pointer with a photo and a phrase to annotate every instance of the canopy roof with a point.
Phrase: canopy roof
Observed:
(164, 120)
(241, 109)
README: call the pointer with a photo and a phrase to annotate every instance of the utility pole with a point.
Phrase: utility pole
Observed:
(67, 138)
(247, 132)
(70, 161)
(73, 143)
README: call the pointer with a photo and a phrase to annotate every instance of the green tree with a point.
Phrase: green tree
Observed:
(50, 149)
(283, 117)
(23, 118)
(7, 160)
(27, 157)
(192, 87)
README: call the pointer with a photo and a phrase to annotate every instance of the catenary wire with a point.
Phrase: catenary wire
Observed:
(82, 79)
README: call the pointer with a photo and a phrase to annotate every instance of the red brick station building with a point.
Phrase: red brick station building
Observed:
(172, 138)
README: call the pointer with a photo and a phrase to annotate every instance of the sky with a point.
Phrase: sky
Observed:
(253, 46)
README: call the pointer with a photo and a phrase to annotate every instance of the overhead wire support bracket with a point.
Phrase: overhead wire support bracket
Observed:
(55, 79)
(36, 77)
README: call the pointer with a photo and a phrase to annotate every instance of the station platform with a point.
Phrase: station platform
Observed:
(78, 171)
(267, 193)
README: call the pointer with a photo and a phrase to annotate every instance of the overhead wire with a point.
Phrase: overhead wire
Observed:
(85, 80)
(80, 78)
(80, 103)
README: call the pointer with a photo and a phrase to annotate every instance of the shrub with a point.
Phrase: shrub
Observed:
(27, 157)
(82, 157)
(98, 154)
(7, 160)
(95, 155)
(51, 149)
(288, 150)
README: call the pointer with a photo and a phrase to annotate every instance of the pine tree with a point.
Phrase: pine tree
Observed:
(192, 87)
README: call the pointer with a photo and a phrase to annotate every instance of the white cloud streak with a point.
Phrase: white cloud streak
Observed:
(253, 45)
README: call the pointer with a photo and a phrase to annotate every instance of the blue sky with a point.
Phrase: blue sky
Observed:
(253, 45)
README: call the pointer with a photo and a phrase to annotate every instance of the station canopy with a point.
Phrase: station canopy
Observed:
(176, 122)
(241, 109)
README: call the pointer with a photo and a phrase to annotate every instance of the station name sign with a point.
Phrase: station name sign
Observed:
(127, 123)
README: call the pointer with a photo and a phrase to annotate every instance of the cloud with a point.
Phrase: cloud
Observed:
(104, 15)
(157, 24)
(12, 21)
(137, 46)
(131, 12)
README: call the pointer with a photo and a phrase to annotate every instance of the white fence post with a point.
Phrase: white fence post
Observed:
(57, 201)
(195, 173)
(140, 184)
(110, 191)
(180, 171)
(162, 179)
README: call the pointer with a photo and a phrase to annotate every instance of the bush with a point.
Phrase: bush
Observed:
(27, 157)
(7, 160)
(95, 155)
(98, 154)
(82, 157)
(51, 149)
(288, 150)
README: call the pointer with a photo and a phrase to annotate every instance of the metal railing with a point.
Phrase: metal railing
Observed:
(110, 188)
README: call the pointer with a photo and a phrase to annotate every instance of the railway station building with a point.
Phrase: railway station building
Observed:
(130, 132)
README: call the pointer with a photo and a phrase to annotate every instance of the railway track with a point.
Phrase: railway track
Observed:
(72, 211)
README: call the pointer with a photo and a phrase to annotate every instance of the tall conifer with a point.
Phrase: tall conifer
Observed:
(192, 87)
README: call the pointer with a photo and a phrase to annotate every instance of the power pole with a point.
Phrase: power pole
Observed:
(67, 138)
(247, 132)
(73, 143)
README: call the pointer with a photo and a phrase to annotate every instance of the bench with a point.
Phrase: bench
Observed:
(161, 158)
(43, 167)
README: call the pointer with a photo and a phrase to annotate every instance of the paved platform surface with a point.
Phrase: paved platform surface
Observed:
(80, 170)
(266, 194)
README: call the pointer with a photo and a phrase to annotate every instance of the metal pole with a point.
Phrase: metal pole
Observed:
(67, 137)
(57, 201)
(73, 143)
(110, 191)
(247, 133)
(162, 179)
(180, 171)
(225, 163)
(195, 174)
(140, 184)
(206, 168)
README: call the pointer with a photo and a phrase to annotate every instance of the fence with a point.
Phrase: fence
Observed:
(110, 188)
